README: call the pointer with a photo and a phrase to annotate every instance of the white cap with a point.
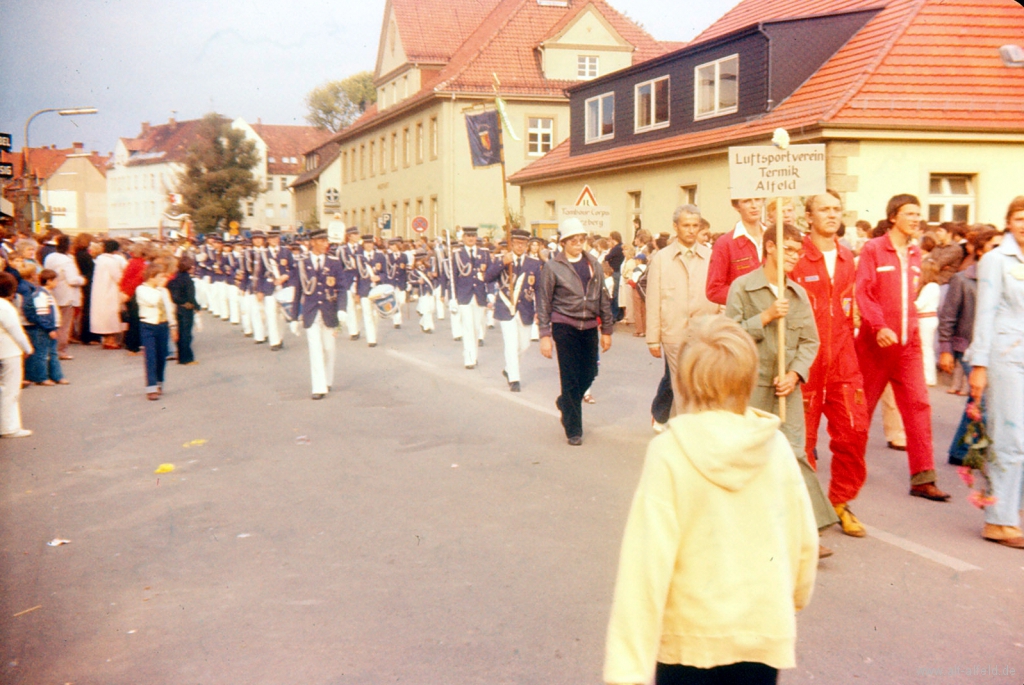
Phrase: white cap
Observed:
(570, 227)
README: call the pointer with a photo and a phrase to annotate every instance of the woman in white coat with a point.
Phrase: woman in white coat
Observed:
(13, 345)
(105, 313)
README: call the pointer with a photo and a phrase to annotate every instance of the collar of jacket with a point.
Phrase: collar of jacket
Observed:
(560, 257)
(1010, 247)
(813, 253)
(891, 247)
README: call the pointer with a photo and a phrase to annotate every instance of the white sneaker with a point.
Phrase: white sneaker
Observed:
(23, 433)
(658, 427)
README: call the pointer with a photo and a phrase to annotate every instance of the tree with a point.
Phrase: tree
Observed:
(218, 175)
(336, 104)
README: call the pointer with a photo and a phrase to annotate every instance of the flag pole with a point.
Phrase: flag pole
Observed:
(504, 187)
(781, 140)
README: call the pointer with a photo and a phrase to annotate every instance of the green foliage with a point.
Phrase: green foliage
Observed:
(218, 175)
(336, 104)
(312, 222)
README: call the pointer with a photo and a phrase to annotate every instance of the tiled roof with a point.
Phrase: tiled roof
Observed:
(505, 43)
(433, 30)
(328, 152)
(163, 143)
(925, 64)
(44, 161)
(285, 142)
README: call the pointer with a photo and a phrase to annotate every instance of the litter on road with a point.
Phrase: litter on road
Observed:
(164, 468)
(57, 542)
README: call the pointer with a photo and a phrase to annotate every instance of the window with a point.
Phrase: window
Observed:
(716, 85)
(284, 211)
(394, 151)
(433, 137)
(344, 167)
(362, 161)
(600, 115)
(433, 212)
(950, 198)
(354, 177)
(250, 209)
(634, 203)
(284, 183)
(383, 156)
(540, 133)
(405, 146)
(406, 219)
(419, 142)
(586, 66)
(549, 209)
(373, 158)
(331, 196)
(419, 206)
(688, 195)
(270, 211)
(652, 104)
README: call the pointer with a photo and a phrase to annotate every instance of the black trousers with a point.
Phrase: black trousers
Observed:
(743, 673)
(186, 318)
(577, 369)
(132, 336)
(661, 407)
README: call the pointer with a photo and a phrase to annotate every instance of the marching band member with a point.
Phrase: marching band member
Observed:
(202, 274)
(280, 265)
(316, 305)
(424, 276)
(371, 263)
(515, 308)
(234, 273)
(470, 264)
(348, 254)
(258, 286)
(397, 275)
(244, 283)
(219, 281)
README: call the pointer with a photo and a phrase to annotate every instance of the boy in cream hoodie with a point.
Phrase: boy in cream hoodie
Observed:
(720, 547)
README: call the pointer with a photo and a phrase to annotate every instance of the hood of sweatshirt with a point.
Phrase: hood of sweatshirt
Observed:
(728, 449)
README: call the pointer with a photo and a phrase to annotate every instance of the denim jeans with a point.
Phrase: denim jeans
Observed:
(42, 364)
(957, 450)
(155, 338)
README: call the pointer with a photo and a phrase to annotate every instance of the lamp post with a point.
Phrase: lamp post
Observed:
(64, 112)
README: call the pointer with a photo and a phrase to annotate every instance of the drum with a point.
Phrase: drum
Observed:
(383, 299)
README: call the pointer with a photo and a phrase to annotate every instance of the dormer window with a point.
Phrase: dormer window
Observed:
(586, 67)
(600, 114)
(717, 88)
(651, 104)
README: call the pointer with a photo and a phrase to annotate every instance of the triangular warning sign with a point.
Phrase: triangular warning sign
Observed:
(586, 198)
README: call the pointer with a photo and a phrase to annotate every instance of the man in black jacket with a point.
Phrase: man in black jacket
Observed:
(572, 303)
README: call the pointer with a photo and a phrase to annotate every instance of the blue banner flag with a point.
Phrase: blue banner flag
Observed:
(484, 138)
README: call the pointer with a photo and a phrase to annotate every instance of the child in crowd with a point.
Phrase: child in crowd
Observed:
(183, 295)
(13, 344)
(720, 545)
(42, 319)
(156, 321)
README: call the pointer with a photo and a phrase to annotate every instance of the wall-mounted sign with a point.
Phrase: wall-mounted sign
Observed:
(5, 142)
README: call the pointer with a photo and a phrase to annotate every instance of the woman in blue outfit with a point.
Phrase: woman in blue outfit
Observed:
(997, 358)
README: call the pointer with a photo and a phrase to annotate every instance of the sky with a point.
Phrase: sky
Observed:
(148, 60)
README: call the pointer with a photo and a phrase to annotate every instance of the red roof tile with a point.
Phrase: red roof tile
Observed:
(433, 30)
(328, 152)
(284, 142)
(163, 143)
(927, 64)
(44, 161)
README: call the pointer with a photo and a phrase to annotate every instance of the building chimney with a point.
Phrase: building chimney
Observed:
(145, 128)
(172, 123)
(78, 146)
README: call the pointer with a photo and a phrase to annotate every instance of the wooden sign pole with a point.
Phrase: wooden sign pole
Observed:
(780, 257)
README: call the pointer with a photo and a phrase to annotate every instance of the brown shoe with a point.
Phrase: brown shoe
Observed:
(824, 552)
(1009, 536)
(929, 491)
(152, 395)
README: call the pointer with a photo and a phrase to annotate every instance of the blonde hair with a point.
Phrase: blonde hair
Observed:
(717, 365)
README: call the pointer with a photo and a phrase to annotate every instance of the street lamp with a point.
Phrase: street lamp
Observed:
(64, 112)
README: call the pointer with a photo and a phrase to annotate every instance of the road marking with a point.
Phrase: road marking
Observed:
(605, 432)
(921, 550)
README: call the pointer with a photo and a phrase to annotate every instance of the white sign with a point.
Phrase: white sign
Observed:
(586, 198)
(767, 171)
(594, 219)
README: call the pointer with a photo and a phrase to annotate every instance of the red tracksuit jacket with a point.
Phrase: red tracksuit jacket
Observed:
(885, 300)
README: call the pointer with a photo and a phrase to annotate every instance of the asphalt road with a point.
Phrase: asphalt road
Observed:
(420, 525)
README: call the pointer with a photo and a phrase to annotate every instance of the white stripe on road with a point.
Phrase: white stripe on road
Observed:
(878, 534)
(921, 550)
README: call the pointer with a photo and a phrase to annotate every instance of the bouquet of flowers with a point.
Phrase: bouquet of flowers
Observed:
(979, 456)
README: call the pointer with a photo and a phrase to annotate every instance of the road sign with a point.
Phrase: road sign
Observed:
(384, 221)
(586, 198)
(420, 224)
(6, 170)
(5, 142)
(767, 171)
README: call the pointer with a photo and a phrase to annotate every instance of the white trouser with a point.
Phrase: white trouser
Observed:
(219, 303)
(490, 320)
(351, 318)
(201, 285)
(425, 307)
(928, 325)
(439, 304)
(370, 317)
(245, 303)
(516, 336)
(472, 319)
(259, 318)
(272, 308)
(396, 318)
(456, 322)
(534, 331)
(234, 312)
(10, 391)
(320, 338)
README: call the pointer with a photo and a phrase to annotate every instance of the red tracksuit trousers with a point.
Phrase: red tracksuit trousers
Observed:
(903, 367)
(843, 404)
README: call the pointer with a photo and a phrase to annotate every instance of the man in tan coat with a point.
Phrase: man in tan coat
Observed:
(676, 281)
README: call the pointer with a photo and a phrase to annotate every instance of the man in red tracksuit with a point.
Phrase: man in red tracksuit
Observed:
(889, 343)
(834, 386)
(736, 252)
